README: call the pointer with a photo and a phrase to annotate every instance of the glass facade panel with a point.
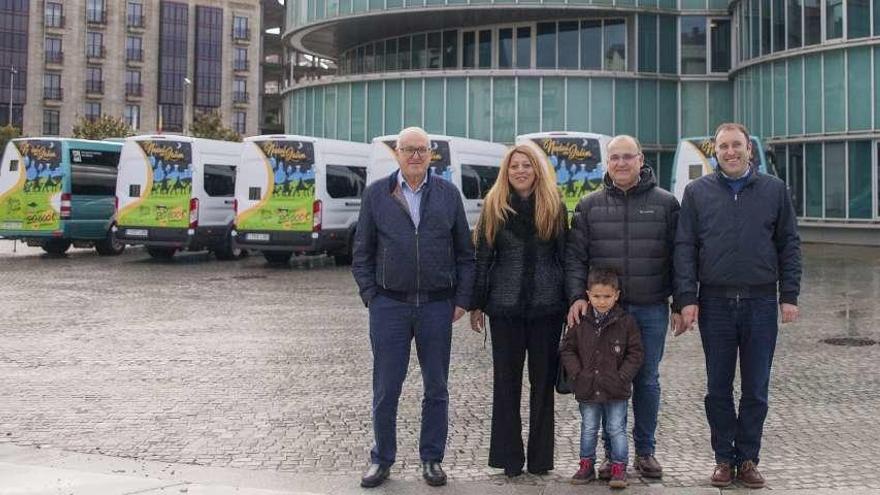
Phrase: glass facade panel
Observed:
(835, 104)
(393, 107)
(796, 177)
(553, 104)
(833, 19)
(668, 109)
(591, 45)
(208, 56)
(667, 160)
(795, 96)
(720, 104)
(480, 108)
(693, 109)
(568, 42)
(668, 44)
(812, 22)
(859, 173)
(434, 52)
(404, 54)
(375, 108)
(615, 44)
(720, 42)
(859, 88)
(528, 118)
(358, 112)
(578, 107)
(858, 18)
(813, 94)
(434, 106)
(624, 110)
(504, 110)
(795, 37)
(343, 112)
(172, 63)
(835, 180)
(456, 113)
(693, 45)
(523, 48)
(505, 48)
(877, 86)
(647, 42)
(778, 25)
(779, 93)
(647, 121)
(418, 52)
(602, 106)
(765, 27)
(484, 58)
(766, 100)
(813, 160)
(469, 49)
(330, 112)
(412, 103)
(545, 47)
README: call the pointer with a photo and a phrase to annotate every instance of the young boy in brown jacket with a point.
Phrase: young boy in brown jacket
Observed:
(602, 354)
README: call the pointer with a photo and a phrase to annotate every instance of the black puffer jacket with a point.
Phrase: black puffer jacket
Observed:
(630, 231)
(520, 274)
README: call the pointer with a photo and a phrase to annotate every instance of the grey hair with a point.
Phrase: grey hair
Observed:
(414, 130)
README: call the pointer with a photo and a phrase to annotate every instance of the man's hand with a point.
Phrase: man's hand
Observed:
(459, 312)
(790, 312)
(578, 308)
(689, 314)
(478, 320)
(677, 322)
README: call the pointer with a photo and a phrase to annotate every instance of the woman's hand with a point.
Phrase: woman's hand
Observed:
(478, 320)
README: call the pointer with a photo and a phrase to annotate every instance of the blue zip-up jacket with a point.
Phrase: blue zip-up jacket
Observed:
(736, 244)
(391, 256)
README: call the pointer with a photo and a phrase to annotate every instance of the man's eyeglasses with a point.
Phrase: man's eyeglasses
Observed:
(627, 157)
(414, 151)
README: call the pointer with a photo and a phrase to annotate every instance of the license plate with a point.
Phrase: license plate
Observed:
(11, 225)
(257, 237)
(136, 232)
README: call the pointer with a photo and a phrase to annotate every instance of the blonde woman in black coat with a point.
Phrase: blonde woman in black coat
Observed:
(519, 285)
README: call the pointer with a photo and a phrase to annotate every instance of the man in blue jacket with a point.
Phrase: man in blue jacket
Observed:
(413, 262)
(737, 263)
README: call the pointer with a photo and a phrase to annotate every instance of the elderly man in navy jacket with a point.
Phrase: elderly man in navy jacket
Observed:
(413, 263)
(737, 264)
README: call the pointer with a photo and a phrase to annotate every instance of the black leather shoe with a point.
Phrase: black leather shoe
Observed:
(376, 475)
(512, 472)
(433, 473)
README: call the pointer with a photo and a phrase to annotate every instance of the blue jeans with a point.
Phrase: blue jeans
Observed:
(393, 325)
(744, 328)
(653, 320)
(612, 415)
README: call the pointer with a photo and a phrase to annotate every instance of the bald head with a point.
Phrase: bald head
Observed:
(627, 139)
(624, 161)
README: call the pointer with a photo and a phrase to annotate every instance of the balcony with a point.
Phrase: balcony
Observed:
(96, 17)
(96, 52)
(241, 34)
(53, 94)
(94, 87)
(240, 97)
(53, 57)
(134, 55)
(53, 22)
(134, 90)
(135, 21)
(241, 65)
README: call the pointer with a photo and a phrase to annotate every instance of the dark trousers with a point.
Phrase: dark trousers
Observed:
(512, 339)
(746, 328)
(393, 325)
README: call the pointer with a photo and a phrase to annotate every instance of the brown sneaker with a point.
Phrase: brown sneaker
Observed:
(723, 475)
(618, 475)
(648, 466)
(605, 470)
(585, 473)
(748, 475)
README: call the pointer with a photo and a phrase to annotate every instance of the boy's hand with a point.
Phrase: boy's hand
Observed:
(478, 320)
(676, 322)
(689, 314)
(790, 312)
(578, 308)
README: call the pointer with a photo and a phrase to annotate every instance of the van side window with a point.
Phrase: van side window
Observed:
(476, 180)
(255, 193)
(346, 181)
(93, 172)
(220, 181)
(13, 165)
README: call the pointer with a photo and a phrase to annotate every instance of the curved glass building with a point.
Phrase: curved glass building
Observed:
(799, 73)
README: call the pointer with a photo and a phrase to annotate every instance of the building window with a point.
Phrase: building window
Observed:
(54, 15)
(13, 59)
(92, 110)
(794, 23)
(450, 49)
(545, 47)
(239, 90)
(505, 48)
(95, 12)
(615, 44)
(240, 62)
(469, 50)
(568, 42)
(94, 80)
(418, 52)
(693, 45)
(591, 45)
(172, 63)
(52, 86)
(51, 122)
(133, 86)
(53, 50)
(833, 19)
(523, 52)
(484, 49)
(858, 19)
(134, 49)
(239, 122)
(719, 30)
(94, 44)
(240, 29)
(812, 22)
(209, 56)
(434, 51)
(134, 14)
(132, 116)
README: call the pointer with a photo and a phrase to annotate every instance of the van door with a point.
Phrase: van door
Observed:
(92, 189)
(31, 184)
(216, 204)
(155, 185)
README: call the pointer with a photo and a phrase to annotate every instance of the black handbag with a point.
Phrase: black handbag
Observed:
(563, 381)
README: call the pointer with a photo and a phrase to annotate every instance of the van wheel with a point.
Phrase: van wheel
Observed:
(229, 252)
(342, 259)
(278, 257)
(56, 246)
(161, 253)
(111, 246)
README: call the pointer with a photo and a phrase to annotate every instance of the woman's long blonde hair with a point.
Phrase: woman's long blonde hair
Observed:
(496, 206)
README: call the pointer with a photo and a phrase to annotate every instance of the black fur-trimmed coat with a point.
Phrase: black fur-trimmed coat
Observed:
(520, 274)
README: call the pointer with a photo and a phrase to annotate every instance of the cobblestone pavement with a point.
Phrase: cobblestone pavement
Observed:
(236, 364)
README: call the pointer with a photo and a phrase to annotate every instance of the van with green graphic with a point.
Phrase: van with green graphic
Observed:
(58, 192)
(176, 193)
(299, 195)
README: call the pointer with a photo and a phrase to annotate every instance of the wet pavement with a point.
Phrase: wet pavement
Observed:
(242, 365)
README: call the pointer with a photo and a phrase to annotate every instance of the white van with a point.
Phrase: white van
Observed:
(299, 194)
(176, 193)
(471, 165)
(695, 157)
(578, 160)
